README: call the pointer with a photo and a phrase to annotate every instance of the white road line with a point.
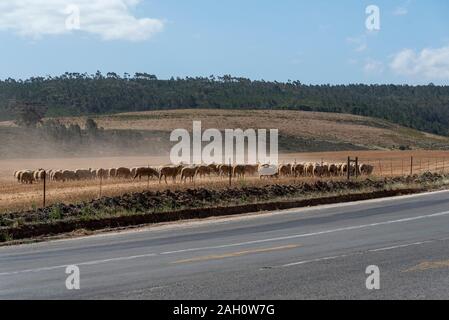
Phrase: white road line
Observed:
(354, 254)
(87, 263)
(315, 260)
(439, 214)
(401, 246)
(184, 224)
(312, 233)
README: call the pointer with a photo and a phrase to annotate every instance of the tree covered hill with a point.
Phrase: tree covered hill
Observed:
(420, 107)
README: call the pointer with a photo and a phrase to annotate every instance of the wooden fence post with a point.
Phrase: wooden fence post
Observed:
(45, 189)
(230, 172)
(349, 167)
(101, 181)
(411, 165)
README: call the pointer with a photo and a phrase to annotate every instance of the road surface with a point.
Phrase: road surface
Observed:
(311, 253)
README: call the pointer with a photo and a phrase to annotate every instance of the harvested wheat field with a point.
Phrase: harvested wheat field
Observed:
(15, 196)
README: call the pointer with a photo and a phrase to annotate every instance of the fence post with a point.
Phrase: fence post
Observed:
(101, 182)
(148, 180)
(380, 168)
(391, 167)
(411, 165)
(230, 172)
(349, 167)
(45, 188)
(443, 164)
(356, 167)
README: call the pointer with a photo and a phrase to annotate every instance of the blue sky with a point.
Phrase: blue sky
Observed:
(310, 41)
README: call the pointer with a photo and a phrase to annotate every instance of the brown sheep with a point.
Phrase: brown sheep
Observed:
(171, 172)
(57, 176)
(308, 169)
(145, 172)
(251, 169)
(225, 170)
(285, 170)
(83, 174)
(124, 173)
(298, 169)
(188, 172)
(333, 170)
(366, 169)
(112, 173)
(204, 171)
(69, 175)
(101, 174)
(27, 177)
(214, 168)
(239, 171)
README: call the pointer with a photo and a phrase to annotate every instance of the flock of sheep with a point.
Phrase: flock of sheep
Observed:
(188, 173)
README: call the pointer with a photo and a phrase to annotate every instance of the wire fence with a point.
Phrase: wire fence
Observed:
(382, 167)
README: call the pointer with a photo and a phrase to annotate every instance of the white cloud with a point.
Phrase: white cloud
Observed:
(373, 67)
(108, 19)
(429, 63)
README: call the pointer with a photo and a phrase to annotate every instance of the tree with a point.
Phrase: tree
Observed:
(91, 127)
(28, 114)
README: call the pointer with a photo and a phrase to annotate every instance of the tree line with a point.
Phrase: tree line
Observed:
(424, 108)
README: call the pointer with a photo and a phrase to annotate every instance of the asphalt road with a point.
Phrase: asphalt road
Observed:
(312, 253)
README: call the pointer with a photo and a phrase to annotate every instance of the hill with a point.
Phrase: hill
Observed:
(424, 108)
(147, 133)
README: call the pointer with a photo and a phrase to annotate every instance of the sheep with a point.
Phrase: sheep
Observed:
(203, 171)
(333, 169)
(170, 171)
(57, 175)
(112, 173)
(147, 172)
(308, 169)
(69, 175)
(238, 171)
(298, 169)
(268, 171)
(188, 172)
(83, 174)
(17, 175)
(27, 177)
(122, 172)
(285, 170)
(251, 169)
(366, 169)
(101, 173)
(39, 175)
(225, 170)
(214, 168)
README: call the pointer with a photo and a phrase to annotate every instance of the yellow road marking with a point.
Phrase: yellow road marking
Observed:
(427, 265)
(236, 254)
